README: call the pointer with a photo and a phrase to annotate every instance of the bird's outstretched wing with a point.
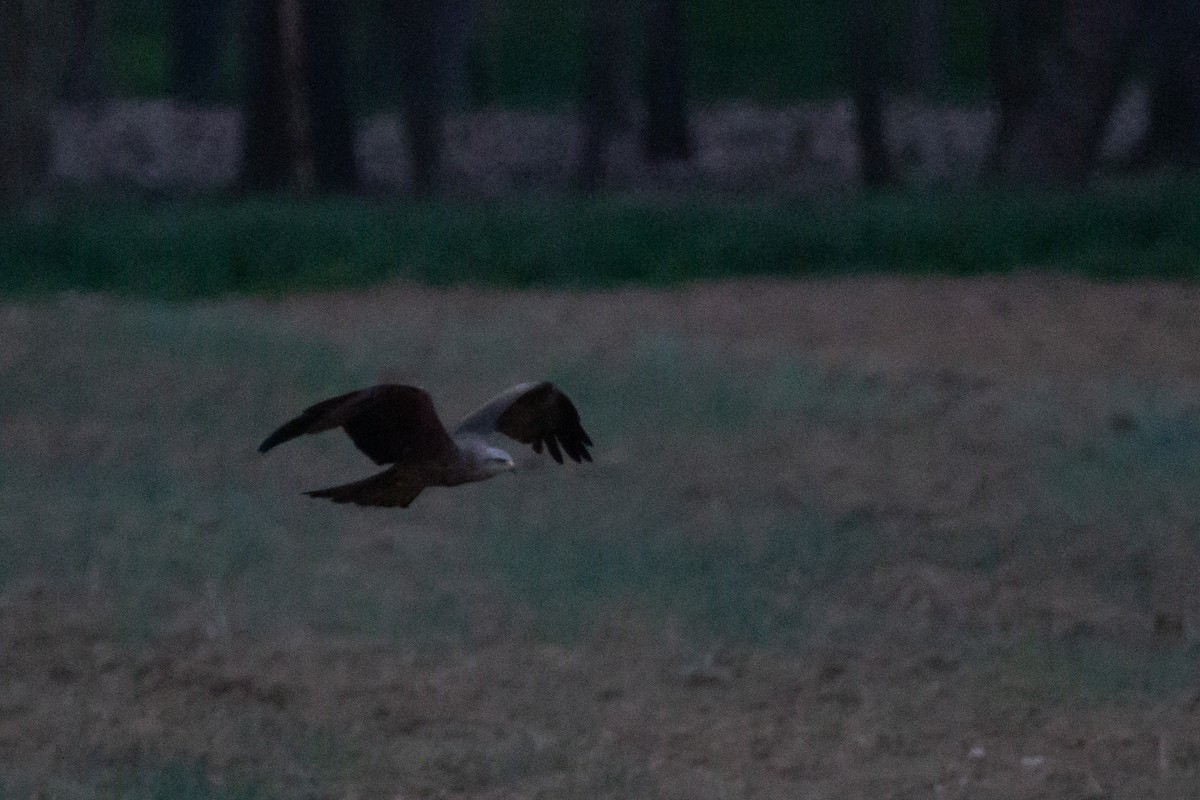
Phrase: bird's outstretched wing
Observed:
(537, 414)
(387, 488)
(391, 424)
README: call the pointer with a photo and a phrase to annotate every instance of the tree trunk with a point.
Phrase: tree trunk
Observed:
(31, 63)
(1173, 132)
(293, 52)
(600, 108)
(1057, 136)
(331, 118)
(267, 160)
(299, 131)
(1021, 31)
(423, 100)
(434, 41)
(928, 28)
(865, 46)
(457, 50)
(480, 83)
(197, 36)
(422, 94)
(665, 135)
(85, 74)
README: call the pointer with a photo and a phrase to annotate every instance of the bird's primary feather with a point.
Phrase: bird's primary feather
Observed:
(537, 414)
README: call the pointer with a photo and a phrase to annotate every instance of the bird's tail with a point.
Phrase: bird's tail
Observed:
(385, 489)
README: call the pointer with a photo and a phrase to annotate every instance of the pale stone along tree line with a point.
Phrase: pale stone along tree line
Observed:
(1055, 70)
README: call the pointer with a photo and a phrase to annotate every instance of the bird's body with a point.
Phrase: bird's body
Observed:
(397, 425)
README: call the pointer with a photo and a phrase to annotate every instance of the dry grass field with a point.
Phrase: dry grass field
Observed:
(863, 538)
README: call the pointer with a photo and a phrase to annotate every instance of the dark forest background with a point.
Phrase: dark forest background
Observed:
(303, 70)
(306, 73)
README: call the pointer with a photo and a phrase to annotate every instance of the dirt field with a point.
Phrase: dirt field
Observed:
(877, 538)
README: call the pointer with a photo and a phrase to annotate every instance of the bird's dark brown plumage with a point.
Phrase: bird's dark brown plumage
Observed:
(398, 425)
(546, 416)
(391, 424)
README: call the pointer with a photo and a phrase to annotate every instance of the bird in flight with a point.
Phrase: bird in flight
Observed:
(398, 425)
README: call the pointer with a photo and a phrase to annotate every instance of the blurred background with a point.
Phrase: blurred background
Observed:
(422, 97)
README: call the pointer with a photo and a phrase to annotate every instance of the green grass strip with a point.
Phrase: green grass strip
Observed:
(205, 247)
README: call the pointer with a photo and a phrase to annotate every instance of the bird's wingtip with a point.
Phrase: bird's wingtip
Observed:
(270, 442)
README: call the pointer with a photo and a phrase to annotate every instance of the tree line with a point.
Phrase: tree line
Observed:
(1056, 68)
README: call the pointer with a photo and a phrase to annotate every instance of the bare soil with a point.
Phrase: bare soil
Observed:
(956, 665)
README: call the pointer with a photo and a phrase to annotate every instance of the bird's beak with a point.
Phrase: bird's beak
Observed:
(510, 466)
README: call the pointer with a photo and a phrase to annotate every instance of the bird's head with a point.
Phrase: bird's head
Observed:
(496, 461)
